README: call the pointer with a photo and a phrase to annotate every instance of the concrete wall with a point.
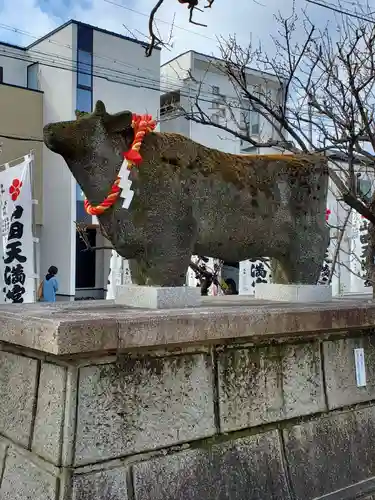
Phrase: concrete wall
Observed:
(22, 116)
(231, 422)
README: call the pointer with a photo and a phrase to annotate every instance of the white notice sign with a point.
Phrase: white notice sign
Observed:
(360, 368)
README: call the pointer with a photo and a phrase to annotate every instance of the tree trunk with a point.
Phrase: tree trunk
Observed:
(371, 257)
(370, 260)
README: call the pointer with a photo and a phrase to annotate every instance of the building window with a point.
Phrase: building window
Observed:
(84, 67)
(364, 189)
(79, 193)
(85, 261)
(32, 76)
(1, 74)
(250, 122)
(255, 123)
(169, 102)
(81, 214)
(84, 100)
(85, 37)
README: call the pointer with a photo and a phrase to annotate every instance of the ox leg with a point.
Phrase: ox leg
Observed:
(166, 259)
(137, 274)
(158, 270)
(305, 258)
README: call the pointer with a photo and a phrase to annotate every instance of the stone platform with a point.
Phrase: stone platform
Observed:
(236, 399)
(293, 293)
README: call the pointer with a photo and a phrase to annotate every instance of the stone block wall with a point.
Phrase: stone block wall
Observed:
(234, 422)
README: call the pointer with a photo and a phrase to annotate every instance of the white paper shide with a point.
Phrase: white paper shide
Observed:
(125, 185)
(17, 262)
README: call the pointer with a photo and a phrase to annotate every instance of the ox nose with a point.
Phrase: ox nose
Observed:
(50, 137)
(55, 136)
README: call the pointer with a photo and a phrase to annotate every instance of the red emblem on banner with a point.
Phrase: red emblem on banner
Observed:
(15, 189)
(328, 213)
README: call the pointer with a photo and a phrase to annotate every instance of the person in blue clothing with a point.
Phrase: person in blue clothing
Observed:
(50, 285)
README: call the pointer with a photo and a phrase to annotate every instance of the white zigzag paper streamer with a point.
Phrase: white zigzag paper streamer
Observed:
(125, 185)
(128, 199)
(124, 174)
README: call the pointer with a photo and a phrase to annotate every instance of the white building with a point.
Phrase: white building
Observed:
(74, 66)
(191, 74)
(348, 248)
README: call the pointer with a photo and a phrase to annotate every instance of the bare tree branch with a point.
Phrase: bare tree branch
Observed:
(156, 41)
(316, 94)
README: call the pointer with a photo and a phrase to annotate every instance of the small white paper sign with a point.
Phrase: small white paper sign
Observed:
(360, 368)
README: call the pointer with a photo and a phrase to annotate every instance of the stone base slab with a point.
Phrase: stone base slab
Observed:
(152, 297)
(293, 293)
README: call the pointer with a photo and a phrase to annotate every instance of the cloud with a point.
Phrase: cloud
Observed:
(249, 20)
(59, 9)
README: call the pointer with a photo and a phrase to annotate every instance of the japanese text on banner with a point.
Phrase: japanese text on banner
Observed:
(17, 271)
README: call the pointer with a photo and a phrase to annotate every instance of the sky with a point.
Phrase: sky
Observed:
(250, 20)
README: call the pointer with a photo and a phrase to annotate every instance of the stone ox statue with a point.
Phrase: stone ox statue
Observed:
(190, 199)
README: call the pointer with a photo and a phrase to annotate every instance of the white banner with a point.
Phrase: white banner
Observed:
(17, 249)
(358, 283)
(114, 278)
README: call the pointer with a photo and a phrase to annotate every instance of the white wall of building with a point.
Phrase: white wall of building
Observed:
(124, 79)
(131, 80)
(197, 74)
(211, 136)
(176, 74)
(14, 62)
(59, 87)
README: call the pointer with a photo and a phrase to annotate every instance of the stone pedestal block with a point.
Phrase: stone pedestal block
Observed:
(152, 297)
(230, 400)
(293, 293)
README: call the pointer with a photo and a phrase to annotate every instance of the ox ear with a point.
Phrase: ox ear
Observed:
(119, 123)
(100, 109)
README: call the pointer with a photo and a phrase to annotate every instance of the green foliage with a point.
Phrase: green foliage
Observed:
(80, 114)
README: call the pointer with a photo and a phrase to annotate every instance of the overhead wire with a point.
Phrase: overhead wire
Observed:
(110, 74)
(339, 10)
(70, 47)
(132, 83)
(125, 78)
(160, 20)
(170, 83)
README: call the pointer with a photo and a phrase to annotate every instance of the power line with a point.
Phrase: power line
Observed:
(160, 20)
(19, 138)
(119, 61)
(133, 83)
(32, 51)
(109, 74)
(340, 11)
(177, 82)
(68, 46)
